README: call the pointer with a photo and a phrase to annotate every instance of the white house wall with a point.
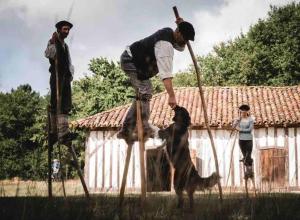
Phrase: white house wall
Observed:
(92, 160)
(298, 153)
(292, 157)
(99, 158)
(105, 162)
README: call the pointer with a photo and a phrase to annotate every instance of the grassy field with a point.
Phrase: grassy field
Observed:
(27, 200)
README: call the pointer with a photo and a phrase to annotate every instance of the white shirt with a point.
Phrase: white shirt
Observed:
(50, 53)
(164, 53)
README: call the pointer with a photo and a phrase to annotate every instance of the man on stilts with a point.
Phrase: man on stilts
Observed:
(62, 72)
(58, 53)
(144, 59)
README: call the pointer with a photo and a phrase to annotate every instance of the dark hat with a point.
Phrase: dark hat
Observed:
(244, 108)
(187, 30)
(60, 24)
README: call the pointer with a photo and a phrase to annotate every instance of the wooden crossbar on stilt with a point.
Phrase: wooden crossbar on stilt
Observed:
(204, 108)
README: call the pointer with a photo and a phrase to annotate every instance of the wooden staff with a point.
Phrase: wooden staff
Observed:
(203, 106)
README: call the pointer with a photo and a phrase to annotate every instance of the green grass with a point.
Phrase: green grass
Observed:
(158, 206)
(272, 206)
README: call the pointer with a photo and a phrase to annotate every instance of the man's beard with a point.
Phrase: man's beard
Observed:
(63, 35)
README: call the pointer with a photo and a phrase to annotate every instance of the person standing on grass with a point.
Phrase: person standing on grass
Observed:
(244, 125)
(146, 58)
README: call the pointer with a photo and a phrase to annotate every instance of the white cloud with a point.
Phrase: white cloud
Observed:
(225, 23)
(234, 17)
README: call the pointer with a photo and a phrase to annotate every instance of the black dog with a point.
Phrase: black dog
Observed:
(186, 176)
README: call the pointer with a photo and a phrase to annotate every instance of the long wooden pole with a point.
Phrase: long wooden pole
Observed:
(62, 172)
(204, 107)
(125, 172)
(72, 151)
(50, 149)
(140, 132)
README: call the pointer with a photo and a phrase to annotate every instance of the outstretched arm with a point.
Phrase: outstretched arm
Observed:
(169, 87)
(164, 53)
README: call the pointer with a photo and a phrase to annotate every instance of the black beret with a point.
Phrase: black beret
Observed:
(60, 24)
(187, 30)
(244, 108)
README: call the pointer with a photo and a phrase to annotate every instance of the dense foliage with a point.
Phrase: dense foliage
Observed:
(269, 54)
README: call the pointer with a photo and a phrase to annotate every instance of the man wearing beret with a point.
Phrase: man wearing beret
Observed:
(146, 58)
(57, 52)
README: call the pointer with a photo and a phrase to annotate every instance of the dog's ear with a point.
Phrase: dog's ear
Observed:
(176, 108)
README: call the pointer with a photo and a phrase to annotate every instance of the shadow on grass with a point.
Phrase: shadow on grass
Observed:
(158, 206)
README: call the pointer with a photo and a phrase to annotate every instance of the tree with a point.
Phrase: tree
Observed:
(107, 87)
(19, 129)
(269, 54)
(185, 79)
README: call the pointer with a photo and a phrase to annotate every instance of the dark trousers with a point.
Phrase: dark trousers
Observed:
(65, 87)
(144, 87)
(246, 148)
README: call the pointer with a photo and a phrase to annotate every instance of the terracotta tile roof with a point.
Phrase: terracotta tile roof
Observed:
(270, 106)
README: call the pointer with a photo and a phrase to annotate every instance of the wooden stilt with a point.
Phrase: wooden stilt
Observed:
(246, 185)
(139, 126)
(61, 172)
(72, 151)
(203, 107)
(50, 149)
(125, 172)
(140, 132)
(246, 178)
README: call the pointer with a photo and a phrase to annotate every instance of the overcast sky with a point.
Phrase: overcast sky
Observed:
(105, 27)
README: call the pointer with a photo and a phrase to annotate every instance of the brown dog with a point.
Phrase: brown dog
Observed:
(186, 176)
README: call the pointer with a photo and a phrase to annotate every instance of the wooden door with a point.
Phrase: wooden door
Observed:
(273, 166)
